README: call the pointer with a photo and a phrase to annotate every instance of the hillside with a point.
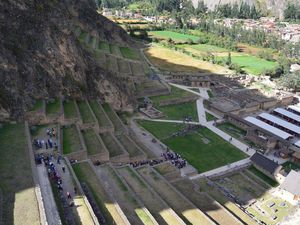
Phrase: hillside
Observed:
(271, 7)
(42, 58)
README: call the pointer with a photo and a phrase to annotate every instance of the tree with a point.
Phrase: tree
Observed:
(228, 61)
(291, 81)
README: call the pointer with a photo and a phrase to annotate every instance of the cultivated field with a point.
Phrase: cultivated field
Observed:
(180, 111)
(53, 107)
(170, 60)
(163, 214)
(199, 148)
(113, 117)
(71, 141)
(129, 146)
(182, 207)
(19, 204)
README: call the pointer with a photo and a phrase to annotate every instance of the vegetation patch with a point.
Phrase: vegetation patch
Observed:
(232, 130)
(130, 53)
(70, 109)
(37, 105)
(180, 111)
(100, 114)
(85, 112)
(19, 204)
(71, 141)
(264, 177)
(113, 117)
(112, 146)
(178, 37)
(53, 106)
(92, 142)
(209, 117)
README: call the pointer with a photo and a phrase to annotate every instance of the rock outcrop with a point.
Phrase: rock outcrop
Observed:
(40, 56)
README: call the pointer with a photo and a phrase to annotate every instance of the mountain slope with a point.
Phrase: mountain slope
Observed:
(40, 56)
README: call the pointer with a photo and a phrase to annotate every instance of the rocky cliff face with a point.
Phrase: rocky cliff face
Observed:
(271, 7)
(40, 56)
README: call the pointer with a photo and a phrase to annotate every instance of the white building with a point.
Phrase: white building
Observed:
(290, 188)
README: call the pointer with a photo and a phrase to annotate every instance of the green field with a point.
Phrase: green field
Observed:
(53, 107)
(38, 105)
(178, 37)
(175, 93)
(130, 53)
(180, 111)
(100, 114)
(71, 142)
(93, 145)
(70, 109)
(209, 117)
(200, 148)
(104, 46)
(19, 204)
(232, 130)
(85, 112)
(288, 166)
(203, 47)
(252, 64)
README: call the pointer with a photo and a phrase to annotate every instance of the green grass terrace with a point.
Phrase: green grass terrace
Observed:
(202, 148)
(70, 110)
(85, 112)
(17, 190)
(71, 141)
(53, 107)
(100, 114)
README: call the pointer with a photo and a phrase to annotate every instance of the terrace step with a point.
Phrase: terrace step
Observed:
(161, 211)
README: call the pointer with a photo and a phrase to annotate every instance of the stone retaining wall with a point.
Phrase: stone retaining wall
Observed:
(102, 157)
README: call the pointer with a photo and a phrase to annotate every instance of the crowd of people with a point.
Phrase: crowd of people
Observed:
(174, 158)
(48, 143)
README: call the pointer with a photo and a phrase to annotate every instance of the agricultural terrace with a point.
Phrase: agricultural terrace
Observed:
(199, 148)
(185, 209)
(100, 114)
(227, 203)
(86, 175)
(111, 144)
(71, 141)
(92, 142)
(19, 204)
(162, 213)
(119, 126)
(130, 53)
(205, 203)
(171, 60)
(38, 105)
(85, 112)
(129, 145)
(132, 209)
(70, 110)
(53, 106)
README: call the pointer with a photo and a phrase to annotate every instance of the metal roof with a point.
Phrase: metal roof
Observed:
(264, 162)
(280, 122)
(268, 127)
(297, 144)
(288, 114)
(294, 107)
(292, 183)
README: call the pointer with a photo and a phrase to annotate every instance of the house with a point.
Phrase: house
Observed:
(290, 188)
(265, 165)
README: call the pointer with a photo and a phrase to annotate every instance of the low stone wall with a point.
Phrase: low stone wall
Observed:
(176, 101)
(103, 156)
(124, 158)
(138, 158)
(172, 175)
(230, 171)
(80, 155)
(106, 129)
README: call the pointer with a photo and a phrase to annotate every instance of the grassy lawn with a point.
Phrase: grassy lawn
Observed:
(180, 111)
(232, 130)
(253, 64)
(209, 117)
(130, 53)
(200, 148)
(99, 113)
(203, 48)
(171, 60)
(92, 142)
(264, 177)
(53, 107)
(177, 37)
(86, 175)
(19, 203)
(71, 141)
(85, 112)
(38, 105)
(70, 109)
(175, 93)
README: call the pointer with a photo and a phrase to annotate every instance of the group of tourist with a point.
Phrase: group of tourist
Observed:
(49, 143)
(175, 159)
